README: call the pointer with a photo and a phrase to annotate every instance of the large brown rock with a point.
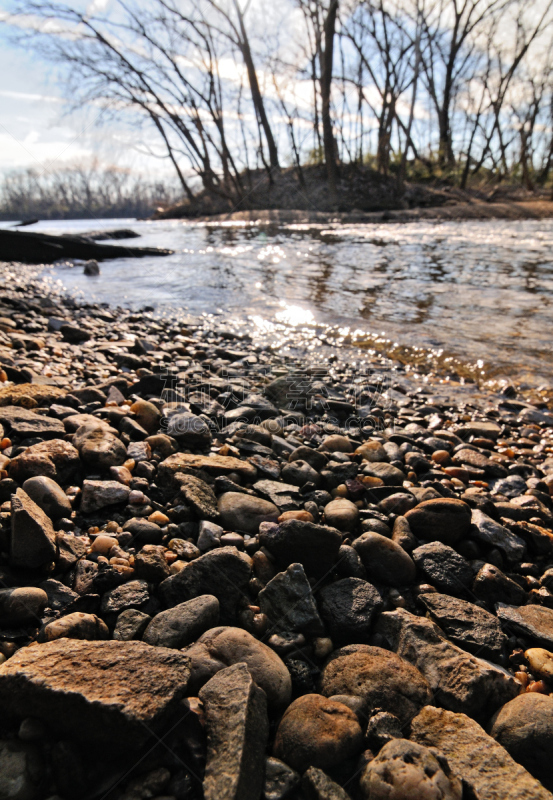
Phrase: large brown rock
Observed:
(381, 678)
(237, 734)
(406, 770)
(118, 692)
(214, 465)
(25, 423)
(524, 727)
(245, 513)
(56, 459)
(98, 447)
(317, 732)
(459, 681)
(33, 540)
(385, 561)
(445, 520)
(479, 760)
(224, 646)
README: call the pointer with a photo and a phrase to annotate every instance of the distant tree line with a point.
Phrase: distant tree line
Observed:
(459, 90)
(86, 190)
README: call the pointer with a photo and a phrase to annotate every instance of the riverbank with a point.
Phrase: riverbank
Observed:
(452, 212)
(235, 570)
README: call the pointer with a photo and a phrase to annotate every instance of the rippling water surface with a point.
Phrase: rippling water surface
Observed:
(473, 297)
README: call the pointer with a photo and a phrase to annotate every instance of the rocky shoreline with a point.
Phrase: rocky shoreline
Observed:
(233, 573)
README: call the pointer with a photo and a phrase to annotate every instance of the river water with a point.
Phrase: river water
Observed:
(474, 299)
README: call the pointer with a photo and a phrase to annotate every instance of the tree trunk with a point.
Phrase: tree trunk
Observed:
(326, 84)
(257, 97)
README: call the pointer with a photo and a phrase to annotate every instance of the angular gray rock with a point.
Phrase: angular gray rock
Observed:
(27, 424)
(314, 546)
(280, 779)
(289, 603)
(485, 766)
(103, 691)
(318, 786)
(183, 624)
(492, 534)
(132, 594)
(199, 495)
(467, 625)
(100, 494)
(532, 621)
(460, 682)
(237, 735)
(130, 624)
(33, 540)
(224, 573)
(443, 567)
(348, 608)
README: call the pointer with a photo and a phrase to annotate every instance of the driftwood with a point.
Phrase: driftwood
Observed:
(117, 233)
(41, 248)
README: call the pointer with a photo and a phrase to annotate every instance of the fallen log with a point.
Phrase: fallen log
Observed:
(42, 248)
(116, 233)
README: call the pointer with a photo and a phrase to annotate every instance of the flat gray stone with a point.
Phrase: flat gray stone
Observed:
(237, 734)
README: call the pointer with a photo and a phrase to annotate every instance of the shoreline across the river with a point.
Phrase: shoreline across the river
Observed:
(233, 572)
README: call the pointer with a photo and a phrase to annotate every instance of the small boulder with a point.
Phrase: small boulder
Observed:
(49, 496)
(33, 540)
(243, 512)
(314, 546)
(446, 520)
(56, 459)
(317, 732)
(381, 678)
(237, 733)
(98, 447)
(225, 646)
(342, 514)
(405, 770)
(348, 607)
(184, 623)
(22, 606)
(75, 626)
(524, 727)
(385, 561)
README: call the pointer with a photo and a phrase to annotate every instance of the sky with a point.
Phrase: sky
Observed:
(35, 129)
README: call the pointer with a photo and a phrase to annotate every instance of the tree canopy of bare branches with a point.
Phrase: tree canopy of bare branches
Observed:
(224, 88)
